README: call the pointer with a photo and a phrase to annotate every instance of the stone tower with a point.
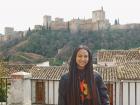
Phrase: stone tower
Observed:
(98, 15)
(47, 21)
(9, 30)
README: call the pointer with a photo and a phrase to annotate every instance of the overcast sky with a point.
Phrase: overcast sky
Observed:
(22, 14)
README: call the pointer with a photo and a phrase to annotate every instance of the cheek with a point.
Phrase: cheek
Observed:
(87, 60)
(77, 60)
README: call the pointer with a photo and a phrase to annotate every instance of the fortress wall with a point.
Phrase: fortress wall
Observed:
(59, 25)
(86, 27)
(126, 26)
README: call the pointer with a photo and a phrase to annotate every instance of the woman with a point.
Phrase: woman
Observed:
(82, 85)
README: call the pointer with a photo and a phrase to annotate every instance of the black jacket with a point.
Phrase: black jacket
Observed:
(101, 90)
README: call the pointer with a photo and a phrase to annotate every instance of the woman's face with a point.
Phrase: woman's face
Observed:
(82, 58)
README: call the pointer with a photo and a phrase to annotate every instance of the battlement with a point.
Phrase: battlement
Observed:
(97, 22)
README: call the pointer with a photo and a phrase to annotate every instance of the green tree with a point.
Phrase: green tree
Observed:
(3, 91)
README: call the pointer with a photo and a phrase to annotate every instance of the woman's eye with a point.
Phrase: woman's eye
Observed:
(80, 56)
(85, 56)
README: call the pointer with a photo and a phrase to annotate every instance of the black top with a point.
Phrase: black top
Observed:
(101, 90)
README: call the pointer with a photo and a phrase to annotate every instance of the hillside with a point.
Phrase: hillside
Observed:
(17, 57)
(60, 44)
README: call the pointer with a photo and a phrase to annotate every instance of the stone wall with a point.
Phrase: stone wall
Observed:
(20, 89)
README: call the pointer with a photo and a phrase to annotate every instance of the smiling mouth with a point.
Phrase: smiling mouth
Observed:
(83, 63)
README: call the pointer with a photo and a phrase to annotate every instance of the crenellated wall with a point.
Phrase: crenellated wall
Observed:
(97, 22)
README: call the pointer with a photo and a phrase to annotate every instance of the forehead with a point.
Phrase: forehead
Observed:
(82, 51)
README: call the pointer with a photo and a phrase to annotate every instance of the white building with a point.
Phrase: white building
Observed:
(43, 64)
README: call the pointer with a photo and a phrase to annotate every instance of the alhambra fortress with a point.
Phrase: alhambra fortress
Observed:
(97, 22)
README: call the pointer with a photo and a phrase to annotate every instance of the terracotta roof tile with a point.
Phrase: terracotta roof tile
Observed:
(55, 73)
(129, 71)
(118, 55)
(50, 73)
(125, 71)
(16, 68)
(108, 73)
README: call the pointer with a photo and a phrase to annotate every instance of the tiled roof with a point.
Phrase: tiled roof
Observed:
(124, 71)
(129, 71)
(49, 73)
(55, 72)
(118, 55)
(108, 73)
(16, 68)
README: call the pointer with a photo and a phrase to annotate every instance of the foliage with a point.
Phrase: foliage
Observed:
(60, 43)
(2, 81)
(3, 94)
(2, 68)
(8, 44)
(55, 62)
(20, 58)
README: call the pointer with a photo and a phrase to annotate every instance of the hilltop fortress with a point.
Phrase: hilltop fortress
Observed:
(97, 22)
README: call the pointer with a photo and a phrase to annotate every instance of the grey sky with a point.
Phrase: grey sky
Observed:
(22, 14)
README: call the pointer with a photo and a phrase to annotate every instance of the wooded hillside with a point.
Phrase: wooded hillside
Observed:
(60, 44)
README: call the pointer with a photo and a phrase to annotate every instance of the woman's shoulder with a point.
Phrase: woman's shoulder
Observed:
(64, 77)
(63, 81)
(97, 76)
(96, 73)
